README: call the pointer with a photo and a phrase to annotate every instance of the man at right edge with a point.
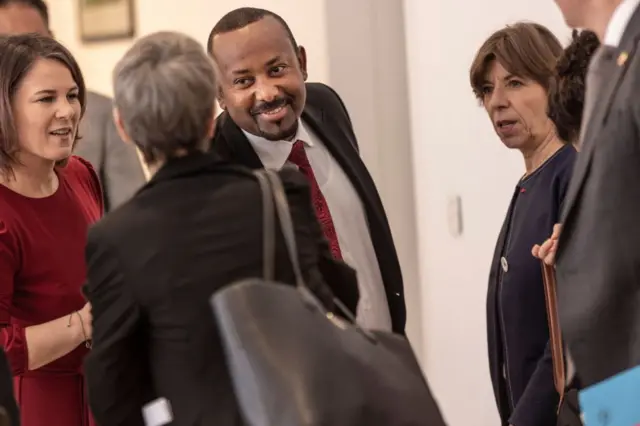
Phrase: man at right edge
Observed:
(597, 249)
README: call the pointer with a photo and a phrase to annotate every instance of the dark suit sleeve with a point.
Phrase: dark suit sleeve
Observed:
(117, 376)
(325, 276)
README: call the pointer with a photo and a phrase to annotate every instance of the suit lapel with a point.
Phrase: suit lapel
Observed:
(235, 144)
(231, 143)
(613, 68)
(342, 150)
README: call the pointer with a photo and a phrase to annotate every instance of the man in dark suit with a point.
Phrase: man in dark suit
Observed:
(117, 164)
(597, 252)
(272, 118)
(197, 226)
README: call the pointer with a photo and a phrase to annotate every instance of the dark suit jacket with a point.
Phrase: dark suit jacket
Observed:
(598, 256)
(115, 162)
(327, 116)
(153, 264)
(10, 415)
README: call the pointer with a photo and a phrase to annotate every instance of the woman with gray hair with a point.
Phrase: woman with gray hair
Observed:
(195, 227)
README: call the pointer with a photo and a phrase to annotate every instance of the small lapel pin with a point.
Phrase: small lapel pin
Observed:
(622, 58)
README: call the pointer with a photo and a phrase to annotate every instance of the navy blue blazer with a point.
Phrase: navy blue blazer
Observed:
(517, 329)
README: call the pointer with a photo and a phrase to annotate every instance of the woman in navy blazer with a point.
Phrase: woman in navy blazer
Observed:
(566, 104)
(511, 76)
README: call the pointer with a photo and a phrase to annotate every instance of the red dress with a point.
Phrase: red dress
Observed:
(42, 270)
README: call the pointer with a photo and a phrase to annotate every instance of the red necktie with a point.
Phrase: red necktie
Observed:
(299, 157)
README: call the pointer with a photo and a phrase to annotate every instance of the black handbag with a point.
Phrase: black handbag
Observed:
(293, 363)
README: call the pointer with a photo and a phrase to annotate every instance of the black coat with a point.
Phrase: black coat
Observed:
(152, 265)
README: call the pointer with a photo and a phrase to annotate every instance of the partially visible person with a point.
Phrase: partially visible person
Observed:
(566, 107)
(511, 76)
(193, 229)
(272, 118)
(597, 254)
(48, 199)
(116, 163)
(566, 98)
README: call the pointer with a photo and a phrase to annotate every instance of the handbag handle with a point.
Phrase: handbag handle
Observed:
(273, 194)
(555, 336)
(268, 229)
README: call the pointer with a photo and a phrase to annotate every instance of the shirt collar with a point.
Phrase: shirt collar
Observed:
(274, 154)
(619, 21)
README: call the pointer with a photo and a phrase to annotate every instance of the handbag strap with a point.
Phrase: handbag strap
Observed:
(268, 229)
(555, 336)
(273, 193)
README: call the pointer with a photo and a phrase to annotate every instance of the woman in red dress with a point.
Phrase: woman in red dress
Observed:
(48, 199)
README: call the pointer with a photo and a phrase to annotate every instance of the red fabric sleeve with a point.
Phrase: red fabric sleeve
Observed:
(92, 180)
(12, 336)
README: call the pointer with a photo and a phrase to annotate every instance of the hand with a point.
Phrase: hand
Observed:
(547, 251)
(87, 319)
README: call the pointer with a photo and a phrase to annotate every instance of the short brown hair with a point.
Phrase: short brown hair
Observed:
(525, 49)
(18, 54)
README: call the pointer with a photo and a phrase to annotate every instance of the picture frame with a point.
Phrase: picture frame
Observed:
(106, 20)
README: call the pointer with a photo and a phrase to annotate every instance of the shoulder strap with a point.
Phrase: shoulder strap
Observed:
(268, 227)
(555, 336)
(275, 201)
(274, 198)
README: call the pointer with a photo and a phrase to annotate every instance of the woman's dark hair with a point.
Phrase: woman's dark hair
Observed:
(525, 49)
(566, 97)
(18, 54)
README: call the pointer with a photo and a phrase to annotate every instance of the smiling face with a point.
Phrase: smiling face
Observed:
(517, 108)
(261, 77)
(47, 110)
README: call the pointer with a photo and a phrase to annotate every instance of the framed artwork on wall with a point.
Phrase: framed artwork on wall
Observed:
(102, 20)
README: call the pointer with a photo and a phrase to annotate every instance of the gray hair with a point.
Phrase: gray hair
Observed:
(165, 93)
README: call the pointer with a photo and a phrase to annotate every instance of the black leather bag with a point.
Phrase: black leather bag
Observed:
(295, 364)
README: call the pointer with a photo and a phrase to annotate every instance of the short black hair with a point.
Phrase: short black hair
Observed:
(566, 97)
(240, 18)
(38, 5)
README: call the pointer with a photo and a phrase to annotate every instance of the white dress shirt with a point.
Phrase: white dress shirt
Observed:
(348, 216)
(619, 21)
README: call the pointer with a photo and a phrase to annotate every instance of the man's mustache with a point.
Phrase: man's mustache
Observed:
(269, 106)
